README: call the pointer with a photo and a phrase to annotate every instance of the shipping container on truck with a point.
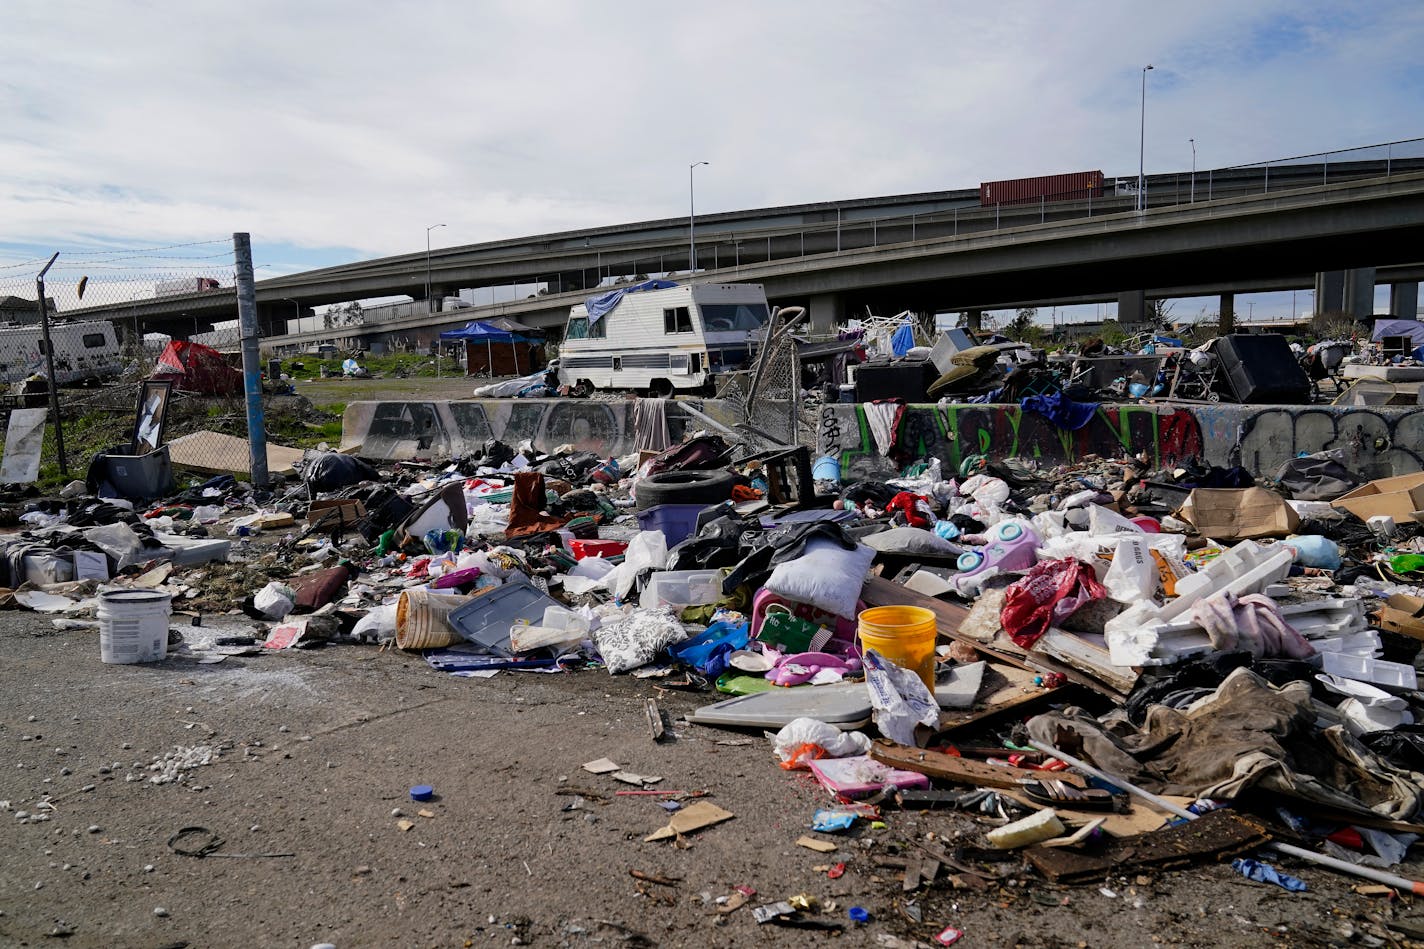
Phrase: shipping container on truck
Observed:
(1077, 186)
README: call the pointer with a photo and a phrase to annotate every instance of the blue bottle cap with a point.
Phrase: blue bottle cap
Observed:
(859, 914)
(422, 792)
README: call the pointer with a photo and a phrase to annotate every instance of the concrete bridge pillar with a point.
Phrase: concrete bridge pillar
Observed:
(1404, 300)
(827, 310)
(1131, 307)
(1360, 292)
(974, 320)
(1227, 314)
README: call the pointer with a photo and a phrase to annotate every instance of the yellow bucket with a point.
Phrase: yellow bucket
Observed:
(903, 634)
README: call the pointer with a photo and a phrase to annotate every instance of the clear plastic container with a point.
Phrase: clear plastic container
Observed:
(680, 589)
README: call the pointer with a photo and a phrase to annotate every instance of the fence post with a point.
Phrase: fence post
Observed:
(251, 368)
(49, 367)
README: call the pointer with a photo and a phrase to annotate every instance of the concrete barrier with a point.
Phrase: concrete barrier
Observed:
(440, 430)
(1376, 442)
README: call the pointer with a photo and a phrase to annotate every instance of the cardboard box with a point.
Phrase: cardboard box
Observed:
(1232, 514)
(1399, 497)
(349, 511)
(1403, 614)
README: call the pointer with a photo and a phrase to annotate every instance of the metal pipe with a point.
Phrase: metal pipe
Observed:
(1310, 856)
(49, 365)
(692, 221)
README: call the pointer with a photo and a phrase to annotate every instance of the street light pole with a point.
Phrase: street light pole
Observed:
(1142, 145)
(1194, 169)
(299, 311)
(692, 220)
(428, 303)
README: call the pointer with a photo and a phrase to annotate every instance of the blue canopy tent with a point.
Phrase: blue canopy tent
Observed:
(475, 332)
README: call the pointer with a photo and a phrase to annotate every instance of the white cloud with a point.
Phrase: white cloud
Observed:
(357, 124)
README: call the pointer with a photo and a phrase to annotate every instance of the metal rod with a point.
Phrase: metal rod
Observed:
(1142, 145)
(1310, 856)
(49, 366)
(692, 220)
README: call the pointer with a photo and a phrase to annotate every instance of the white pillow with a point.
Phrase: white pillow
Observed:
(826, 576)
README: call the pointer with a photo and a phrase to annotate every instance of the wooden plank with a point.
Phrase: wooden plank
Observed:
(958, 770)
(1226, 834)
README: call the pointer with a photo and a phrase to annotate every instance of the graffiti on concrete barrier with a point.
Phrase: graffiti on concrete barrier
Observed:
(1375, 442)
(407, 430)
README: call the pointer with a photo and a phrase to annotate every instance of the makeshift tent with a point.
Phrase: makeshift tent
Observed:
(193, 367)
(481, 354)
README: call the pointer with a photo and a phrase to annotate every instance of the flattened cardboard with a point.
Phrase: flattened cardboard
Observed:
(694, 817)
(1232, 514)
(1403, 614)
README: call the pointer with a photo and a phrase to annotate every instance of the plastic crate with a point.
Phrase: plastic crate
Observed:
(677, 521)
(679, 589)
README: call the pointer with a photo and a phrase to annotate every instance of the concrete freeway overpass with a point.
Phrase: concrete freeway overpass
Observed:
(939, 251)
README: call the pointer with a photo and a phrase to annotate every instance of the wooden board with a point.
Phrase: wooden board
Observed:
(957, 770)
(215, 453)
(1215, 834)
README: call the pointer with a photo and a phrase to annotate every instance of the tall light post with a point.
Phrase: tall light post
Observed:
(1193, 143)
(692, 220)
(429, 306)
(1142, 145)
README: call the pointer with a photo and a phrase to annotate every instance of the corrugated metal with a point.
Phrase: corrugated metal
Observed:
(1077, 186)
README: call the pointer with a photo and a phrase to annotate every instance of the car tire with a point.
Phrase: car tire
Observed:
(684, 487)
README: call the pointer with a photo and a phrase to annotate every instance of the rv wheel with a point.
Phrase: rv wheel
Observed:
(660, 389)
(582, 389)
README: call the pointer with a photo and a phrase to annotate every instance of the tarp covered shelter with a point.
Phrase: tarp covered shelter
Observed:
(489, 349)
(193, 367)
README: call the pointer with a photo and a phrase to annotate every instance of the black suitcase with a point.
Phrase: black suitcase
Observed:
(894, 380)
(1262, 370)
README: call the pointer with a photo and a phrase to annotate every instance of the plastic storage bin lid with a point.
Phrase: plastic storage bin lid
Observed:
(486, 619)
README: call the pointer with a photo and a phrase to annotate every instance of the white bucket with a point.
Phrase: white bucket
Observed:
(133, 625)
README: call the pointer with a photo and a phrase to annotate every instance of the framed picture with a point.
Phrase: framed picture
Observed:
(152, 416)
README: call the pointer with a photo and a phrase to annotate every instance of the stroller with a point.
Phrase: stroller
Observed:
(1324, 360)
(1194, 375)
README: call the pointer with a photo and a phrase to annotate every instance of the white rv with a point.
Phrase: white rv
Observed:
(663, 341)
(82, 351)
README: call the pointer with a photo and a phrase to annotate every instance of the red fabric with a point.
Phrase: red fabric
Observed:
(193, 367)
(1050, 593)
(907, 504)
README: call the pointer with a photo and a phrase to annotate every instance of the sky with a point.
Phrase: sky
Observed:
(339, 131)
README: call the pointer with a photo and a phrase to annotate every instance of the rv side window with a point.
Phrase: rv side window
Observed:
(578, 328)
(677, 320)
(93, 340)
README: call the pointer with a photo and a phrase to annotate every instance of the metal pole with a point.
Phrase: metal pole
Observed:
(1194, 170)
(251, 368)
(49, 366)
(692, 220)
(1142, 145)
(429, 304)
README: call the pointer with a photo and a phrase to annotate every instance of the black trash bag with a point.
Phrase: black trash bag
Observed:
(496, 453)
(1317, 478)
(333, 471)
(876, 492)
(1402, 746)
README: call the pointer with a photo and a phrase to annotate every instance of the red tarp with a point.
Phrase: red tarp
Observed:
(193, 367)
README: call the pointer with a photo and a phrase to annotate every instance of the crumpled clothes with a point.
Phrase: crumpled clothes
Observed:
(1247, 736)
(1251, 623)
(1265, 873)
(526, 507)
(1050, 593)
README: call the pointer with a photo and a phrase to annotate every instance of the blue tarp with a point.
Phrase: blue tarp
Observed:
(603, 304)
(475, 331)
(902, 340)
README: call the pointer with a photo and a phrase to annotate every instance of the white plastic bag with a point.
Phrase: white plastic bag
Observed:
(648, 550)
(901, 700)
(377, 625)
(810, 731)
(1133, 575)
(275, 600)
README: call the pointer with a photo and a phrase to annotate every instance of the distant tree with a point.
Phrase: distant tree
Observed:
(1335, 324)
(1023, 327)
(1113, 334)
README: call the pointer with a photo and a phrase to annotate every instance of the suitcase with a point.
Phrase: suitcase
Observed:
(1262, 370)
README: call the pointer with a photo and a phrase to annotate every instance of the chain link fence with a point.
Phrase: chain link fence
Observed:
(768, 397)
(119, 321)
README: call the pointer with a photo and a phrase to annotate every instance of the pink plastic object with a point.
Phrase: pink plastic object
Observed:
(861, 775)
(842, 627)
(1010, 546)
(802, 667)
(1149, 524)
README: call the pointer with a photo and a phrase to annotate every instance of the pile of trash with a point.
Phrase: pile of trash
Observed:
(1074, 663)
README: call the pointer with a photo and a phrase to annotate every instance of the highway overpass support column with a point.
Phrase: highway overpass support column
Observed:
(1227, 316)
(1404, 300)
(827, 310)
(1360, 292)
(974, 320)
(1329, 292)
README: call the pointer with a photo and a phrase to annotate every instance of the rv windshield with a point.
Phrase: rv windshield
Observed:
(722, 317)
